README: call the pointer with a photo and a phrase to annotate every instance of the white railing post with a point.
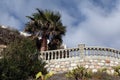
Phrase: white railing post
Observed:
(81, 48)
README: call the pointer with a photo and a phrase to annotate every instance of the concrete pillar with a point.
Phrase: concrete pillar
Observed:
(82, 51)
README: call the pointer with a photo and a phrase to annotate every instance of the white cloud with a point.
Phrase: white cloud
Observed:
(9, 20)
(100, 27)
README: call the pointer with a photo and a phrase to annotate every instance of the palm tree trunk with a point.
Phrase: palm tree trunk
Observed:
(43, 44)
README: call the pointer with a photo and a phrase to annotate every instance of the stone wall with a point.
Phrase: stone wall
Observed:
(92, 62)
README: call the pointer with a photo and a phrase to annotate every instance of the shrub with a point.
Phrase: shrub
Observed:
(117, 70)
(39, 75)
(20, 61)
(79, 73)
(104, 76)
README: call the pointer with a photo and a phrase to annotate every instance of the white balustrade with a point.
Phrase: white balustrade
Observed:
(75, 52)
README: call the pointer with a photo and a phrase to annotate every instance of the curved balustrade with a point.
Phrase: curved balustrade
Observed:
(59, 54)
(77, 52)
(97, 51)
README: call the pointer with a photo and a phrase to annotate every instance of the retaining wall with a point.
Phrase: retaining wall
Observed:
(90, 57)
(93, 63)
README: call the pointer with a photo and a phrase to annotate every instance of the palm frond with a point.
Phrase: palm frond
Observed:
(31, 18)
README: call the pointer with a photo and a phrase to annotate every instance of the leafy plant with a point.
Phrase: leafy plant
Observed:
(20, 61)
(39, 75)
(117, 70)
(79, 73)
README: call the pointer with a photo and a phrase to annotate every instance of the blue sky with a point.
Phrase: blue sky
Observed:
(91, 22)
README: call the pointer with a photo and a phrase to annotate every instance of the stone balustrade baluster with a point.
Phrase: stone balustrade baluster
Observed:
(118, 55)
(108, 55)
(55, 55)
(48, 56)
(92, 51)
(78, 53)
(96, 51)
(105, 52)
(93, 54)
(70, 55)
(87, 52)
(114, 54)
(66, 54)
(51, 55)
(44, 56)
(73, 53)
(99, 52)
(111, 54)
(58, 54)
(62, 54)
(81, 48)
(102, 54)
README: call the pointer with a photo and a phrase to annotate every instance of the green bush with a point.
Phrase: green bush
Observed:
(20, 61)
(79, 73)
(117, 70)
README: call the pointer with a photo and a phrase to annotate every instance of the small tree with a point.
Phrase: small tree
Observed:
(20, 61)
(47, 25)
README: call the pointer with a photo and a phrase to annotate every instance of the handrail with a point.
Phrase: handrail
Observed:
(77, 52)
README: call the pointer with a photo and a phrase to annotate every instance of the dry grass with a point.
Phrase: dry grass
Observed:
(96, 76)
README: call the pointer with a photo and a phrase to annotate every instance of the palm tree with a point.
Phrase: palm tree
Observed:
(46, 24)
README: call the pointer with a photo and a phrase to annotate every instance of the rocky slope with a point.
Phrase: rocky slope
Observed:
(8, 35)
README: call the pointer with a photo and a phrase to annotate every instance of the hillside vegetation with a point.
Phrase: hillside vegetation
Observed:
(8, 35)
